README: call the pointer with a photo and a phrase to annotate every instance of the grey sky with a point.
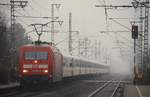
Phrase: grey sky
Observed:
(87, 19)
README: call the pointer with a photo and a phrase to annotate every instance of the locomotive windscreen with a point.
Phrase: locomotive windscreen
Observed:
(36, 55)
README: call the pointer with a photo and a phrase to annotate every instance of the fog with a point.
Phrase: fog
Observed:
(89, 21)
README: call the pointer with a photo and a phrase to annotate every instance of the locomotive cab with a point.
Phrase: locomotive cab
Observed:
(38, 63)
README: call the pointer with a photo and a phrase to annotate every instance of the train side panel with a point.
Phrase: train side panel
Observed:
(57, 67)
(67, 67)
(74, 67)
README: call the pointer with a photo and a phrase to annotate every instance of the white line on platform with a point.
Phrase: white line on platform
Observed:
(139, 92)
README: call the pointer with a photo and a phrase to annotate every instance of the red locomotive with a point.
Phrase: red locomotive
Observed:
(44, 62)
(36, 61)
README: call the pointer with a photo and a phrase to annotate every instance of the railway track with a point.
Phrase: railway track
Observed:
(100, 86)
(108, 89)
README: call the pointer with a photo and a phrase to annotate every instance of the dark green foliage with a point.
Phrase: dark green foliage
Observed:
(17, 37)
(9, 45)
(4, 52)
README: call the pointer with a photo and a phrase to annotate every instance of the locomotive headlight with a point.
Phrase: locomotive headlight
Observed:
(25, 71)
(46, 71)
(35, 61)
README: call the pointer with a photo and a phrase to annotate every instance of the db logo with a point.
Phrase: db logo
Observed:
(35, 66)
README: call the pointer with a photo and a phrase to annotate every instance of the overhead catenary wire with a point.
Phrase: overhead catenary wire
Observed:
(23, 21)
(124, 27)
(131, 42)
(117, 21)
(28, 16)
(120, 24)
(63, 40)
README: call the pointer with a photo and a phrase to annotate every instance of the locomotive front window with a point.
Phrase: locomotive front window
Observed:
(30, 55)
(36, 55)
(41, 55)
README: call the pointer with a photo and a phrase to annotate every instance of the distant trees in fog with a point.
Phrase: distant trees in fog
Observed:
(9, 45)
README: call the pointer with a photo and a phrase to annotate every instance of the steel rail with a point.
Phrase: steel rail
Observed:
(114, 92)
(99, 89)
(93, 94)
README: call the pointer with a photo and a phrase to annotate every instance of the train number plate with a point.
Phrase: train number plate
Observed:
(36, 70)
(35, 66)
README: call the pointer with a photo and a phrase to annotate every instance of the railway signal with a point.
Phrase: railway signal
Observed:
(134, 31)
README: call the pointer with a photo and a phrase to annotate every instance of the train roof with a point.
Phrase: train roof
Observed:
(33, 45)
(42, 45)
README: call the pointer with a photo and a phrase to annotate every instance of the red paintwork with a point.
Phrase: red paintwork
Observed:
(39, 48)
